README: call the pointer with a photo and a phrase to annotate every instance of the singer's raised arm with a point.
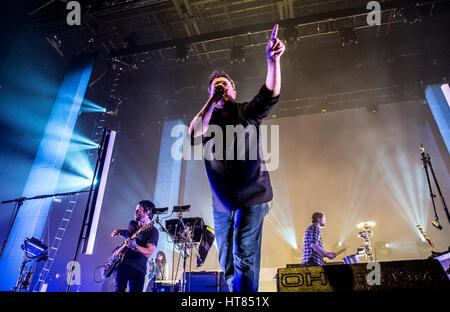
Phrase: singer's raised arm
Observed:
(199, 125)
(275, 48)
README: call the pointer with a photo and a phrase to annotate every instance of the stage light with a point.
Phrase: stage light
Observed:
(372, 107)
(89, 45)
(340, 244)
(114, 112)
(323, 105)
(182, 53)
(410, 14)
(79, 143)
(56, 41)
(283, 222)
(237, 55)
(289, 236)
(405, 183)
(34, 248)
(71, 182)
(131, 41)
(409, 244)
(436, 224)
(77, 174)
(91, 107)
(348, 38)
(48, 162)
(290, 35)
(356, 197)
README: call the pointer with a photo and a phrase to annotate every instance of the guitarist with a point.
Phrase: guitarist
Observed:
(133, 268)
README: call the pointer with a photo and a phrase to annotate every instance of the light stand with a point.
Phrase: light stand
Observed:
(33, 250)
(427, 164)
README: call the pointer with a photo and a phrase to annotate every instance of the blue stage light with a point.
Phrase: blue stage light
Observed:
(80, 142)
(45, 172)
(90, 107)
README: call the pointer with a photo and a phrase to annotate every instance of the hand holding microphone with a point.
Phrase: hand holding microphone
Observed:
(219, 92)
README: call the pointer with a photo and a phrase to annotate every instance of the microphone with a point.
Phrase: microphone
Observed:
(219, 91)
(422, 150)
(424, 157)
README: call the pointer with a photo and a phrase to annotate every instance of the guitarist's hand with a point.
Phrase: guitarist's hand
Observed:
(115, 233)
(132, 244)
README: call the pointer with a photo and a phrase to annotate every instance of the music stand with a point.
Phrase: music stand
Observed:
(176, 228)
(185, 233)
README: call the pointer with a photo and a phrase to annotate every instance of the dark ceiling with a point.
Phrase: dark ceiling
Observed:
(138, 35)
(209, 27)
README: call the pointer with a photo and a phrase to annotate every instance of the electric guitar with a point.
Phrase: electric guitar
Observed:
(117, 255)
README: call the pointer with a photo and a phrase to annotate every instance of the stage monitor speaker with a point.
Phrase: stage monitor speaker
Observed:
(166, 286)
(206, 281)
(393, 275)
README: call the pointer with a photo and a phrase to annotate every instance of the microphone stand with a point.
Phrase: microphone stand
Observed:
(185, 242)
(19, 202)
(427, 164)
(184, 249)
(188, 243)
(172, 237)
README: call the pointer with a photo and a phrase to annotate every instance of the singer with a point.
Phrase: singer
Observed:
(240, 188)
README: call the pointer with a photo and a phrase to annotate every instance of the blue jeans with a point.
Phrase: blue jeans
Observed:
(239, 237)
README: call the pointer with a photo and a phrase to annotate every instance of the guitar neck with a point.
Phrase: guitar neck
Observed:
(142, 229)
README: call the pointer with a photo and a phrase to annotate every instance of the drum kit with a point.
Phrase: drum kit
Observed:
(366, 250)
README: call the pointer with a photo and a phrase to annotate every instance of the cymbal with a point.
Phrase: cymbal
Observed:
(366, 225)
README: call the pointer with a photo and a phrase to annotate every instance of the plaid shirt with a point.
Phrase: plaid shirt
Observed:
(310, 256)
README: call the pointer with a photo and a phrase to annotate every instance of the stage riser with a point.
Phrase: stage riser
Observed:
(381, 276)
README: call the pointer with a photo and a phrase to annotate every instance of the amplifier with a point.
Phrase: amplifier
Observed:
(166, 286)
(206, 281)
(375, 276)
